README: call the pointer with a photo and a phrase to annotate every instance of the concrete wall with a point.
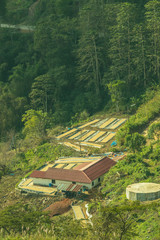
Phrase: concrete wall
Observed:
(46, 182)
(142, 196)
(89, 186)
(42, 182)
(96, 182)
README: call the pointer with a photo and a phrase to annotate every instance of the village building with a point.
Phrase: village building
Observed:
(83, 177)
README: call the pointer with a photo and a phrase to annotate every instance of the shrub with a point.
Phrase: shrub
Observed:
(135, 141)
(145, 113)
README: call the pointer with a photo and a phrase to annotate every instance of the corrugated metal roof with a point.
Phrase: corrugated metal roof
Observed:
(38, 174)
(99, 168)
(77, 188)
(62, 174)
(82, 165)
(70, 187)
(84, 175)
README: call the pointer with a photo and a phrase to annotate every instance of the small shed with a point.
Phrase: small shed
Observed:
(143, 191)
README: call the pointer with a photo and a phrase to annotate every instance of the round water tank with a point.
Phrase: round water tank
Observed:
(143, 191)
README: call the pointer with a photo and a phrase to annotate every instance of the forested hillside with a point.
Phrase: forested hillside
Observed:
(83, 58)
(83, 55)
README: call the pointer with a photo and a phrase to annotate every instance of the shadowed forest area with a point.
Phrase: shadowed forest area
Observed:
(83, 56)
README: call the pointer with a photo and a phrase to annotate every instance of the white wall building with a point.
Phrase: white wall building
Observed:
(85, 176)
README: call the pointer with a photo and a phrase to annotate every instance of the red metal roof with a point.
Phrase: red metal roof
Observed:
(77, 188)
(82, 165)
(99, 168)
(85, 175)
(62, 174)
(38, 174)
(69, 188)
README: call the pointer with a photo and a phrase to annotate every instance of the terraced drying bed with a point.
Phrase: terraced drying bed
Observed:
(46, 167)
(78, 212)
(70, 166)
(88, 134)
(59, 165)
(75, 147)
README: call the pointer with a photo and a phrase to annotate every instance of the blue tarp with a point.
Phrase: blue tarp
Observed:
(114, 143)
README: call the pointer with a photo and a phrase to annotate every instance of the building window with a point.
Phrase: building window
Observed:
(92, 183)
(73, 182)
(99, 179)
(53, 181)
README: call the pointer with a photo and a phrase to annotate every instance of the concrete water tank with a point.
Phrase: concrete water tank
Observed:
(143, 191)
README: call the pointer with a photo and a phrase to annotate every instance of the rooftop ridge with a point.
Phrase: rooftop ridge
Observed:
(86, 175)
(92, 163)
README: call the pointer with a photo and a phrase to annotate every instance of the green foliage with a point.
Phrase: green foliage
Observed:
(35, 124)
(122, 220)
(116, 90)
(132, 169)
(145, 113)
(135, 141)
(41, 93)
(155, 155)
(66, 228)
(82, 56)
(17, 83)
(3, 7)
(154, 129)
(20, 217)
(79, 117)
(36, 157)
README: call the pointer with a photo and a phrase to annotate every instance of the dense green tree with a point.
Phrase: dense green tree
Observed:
(11, 110)
(117, 222)
(135, 141)
(35, 124)
(84, 52)
(140, 59)
(17, 81)
(92, 49)
(2, 8)
(121, 46)
(116, 91)
(19, 218)
(153, 26)
(41, 93)
(154, 130)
